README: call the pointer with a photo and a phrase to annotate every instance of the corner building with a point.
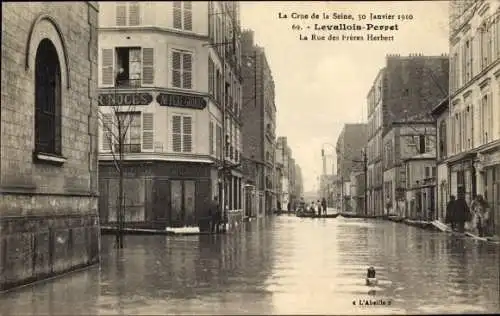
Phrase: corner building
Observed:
(48, 161)
(172, 69)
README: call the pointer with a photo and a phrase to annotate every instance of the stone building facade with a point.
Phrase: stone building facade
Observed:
(406, 89)
(474, 115)
(403, 141)
(175, 80)
(48, 163)
(259, 120)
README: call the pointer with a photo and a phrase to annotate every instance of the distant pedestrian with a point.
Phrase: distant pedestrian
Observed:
(461, 213)
(214, 215)
(323, 205)
(288, 206)
(449, 213)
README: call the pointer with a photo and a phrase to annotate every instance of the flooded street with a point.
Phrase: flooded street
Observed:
(278, 265)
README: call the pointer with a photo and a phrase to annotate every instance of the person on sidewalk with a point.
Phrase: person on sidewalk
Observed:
(320, 207)
(449, 213)
(461, 213)
(480, 210)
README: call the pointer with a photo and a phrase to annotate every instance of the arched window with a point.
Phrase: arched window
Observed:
(47, 99)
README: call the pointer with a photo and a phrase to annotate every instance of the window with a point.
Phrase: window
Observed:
(129, 124)
(211, 76)
(421, 142)
(442, 140)
(183, 15)
(182, 68)
(47, 99)
(134, 66)
(402, 177)
(212, 138)
(182, 133)
(486, 118)
(128, 12)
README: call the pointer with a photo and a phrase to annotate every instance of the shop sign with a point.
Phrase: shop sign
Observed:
(181, 100)
(124, 99)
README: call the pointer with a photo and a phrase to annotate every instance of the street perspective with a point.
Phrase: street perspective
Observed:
(250, 158)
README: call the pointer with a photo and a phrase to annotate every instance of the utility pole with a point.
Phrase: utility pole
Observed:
(365, 169)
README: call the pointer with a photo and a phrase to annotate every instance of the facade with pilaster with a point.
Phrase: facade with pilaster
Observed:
(474, 110)
(170, 73)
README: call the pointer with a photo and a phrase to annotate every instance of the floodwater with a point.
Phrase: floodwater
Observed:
(278, 265)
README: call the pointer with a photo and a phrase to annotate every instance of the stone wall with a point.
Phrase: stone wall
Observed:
(48, 212)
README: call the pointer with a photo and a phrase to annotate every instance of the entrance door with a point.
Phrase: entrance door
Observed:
(183, 203)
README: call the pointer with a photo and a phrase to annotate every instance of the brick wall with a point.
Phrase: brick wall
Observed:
(46, 209)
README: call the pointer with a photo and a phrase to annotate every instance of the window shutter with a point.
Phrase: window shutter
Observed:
(176, 69)
(188, 16)
(107, 67)
(490, 115)
(211, 137)
(147, 131)
(121, 14)
(187, 70)
(148, 66)
(177, 14)
(107, 132)
(210, 76)
(134, 15)
(176, 133)
(187, 134)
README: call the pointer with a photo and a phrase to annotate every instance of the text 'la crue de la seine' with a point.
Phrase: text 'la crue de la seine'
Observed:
(374, 27)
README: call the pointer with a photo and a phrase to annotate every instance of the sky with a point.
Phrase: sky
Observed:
(322, 85)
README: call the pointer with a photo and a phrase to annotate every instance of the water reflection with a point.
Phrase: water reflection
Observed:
(283, 265)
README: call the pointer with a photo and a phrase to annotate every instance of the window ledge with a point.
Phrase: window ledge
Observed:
(49, 158)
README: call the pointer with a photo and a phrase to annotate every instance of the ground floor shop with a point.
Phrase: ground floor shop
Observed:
(462, 176)
(420, 202)
(489, 183)
(376, 201)
(442, 191)
(166, 194)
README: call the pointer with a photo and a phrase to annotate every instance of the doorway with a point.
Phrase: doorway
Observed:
(183, 193)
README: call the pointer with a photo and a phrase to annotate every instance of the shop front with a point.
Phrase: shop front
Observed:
(157, 194)
(489, 170)
(462, 176)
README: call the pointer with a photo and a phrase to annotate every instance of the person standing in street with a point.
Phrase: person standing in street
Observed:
(213, 212)
(461, 213)
(449, 213)
(480, 212)
(323, 205)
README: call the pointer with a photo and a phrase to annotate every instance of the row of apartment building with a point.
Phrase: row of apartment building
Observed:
(172, 97)
(289, 184)
(433, 122)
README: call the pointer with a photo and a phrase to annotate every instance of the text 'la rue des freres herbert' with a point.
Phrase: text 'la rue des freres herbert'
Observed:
(348, 27)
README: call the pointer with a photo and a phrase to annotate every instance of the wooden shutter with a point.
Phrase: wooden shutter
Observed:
(147, 131)
(107, 132)
(211, 137)
(177, 14)
(210, 76)
(134, 14)
(187, 134)
(176, 69)
(107, 69)
(490, 116)
(188, 16)
(121, 14)
(187, 71)
(176, 133)
(148, 66)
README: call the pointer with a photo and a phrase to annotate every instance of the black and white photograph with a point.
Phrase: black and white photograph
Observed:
(250, 158)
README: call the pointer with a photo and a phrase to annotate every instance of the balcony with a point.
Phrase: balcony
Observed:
(125, 83)
(127, 148)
